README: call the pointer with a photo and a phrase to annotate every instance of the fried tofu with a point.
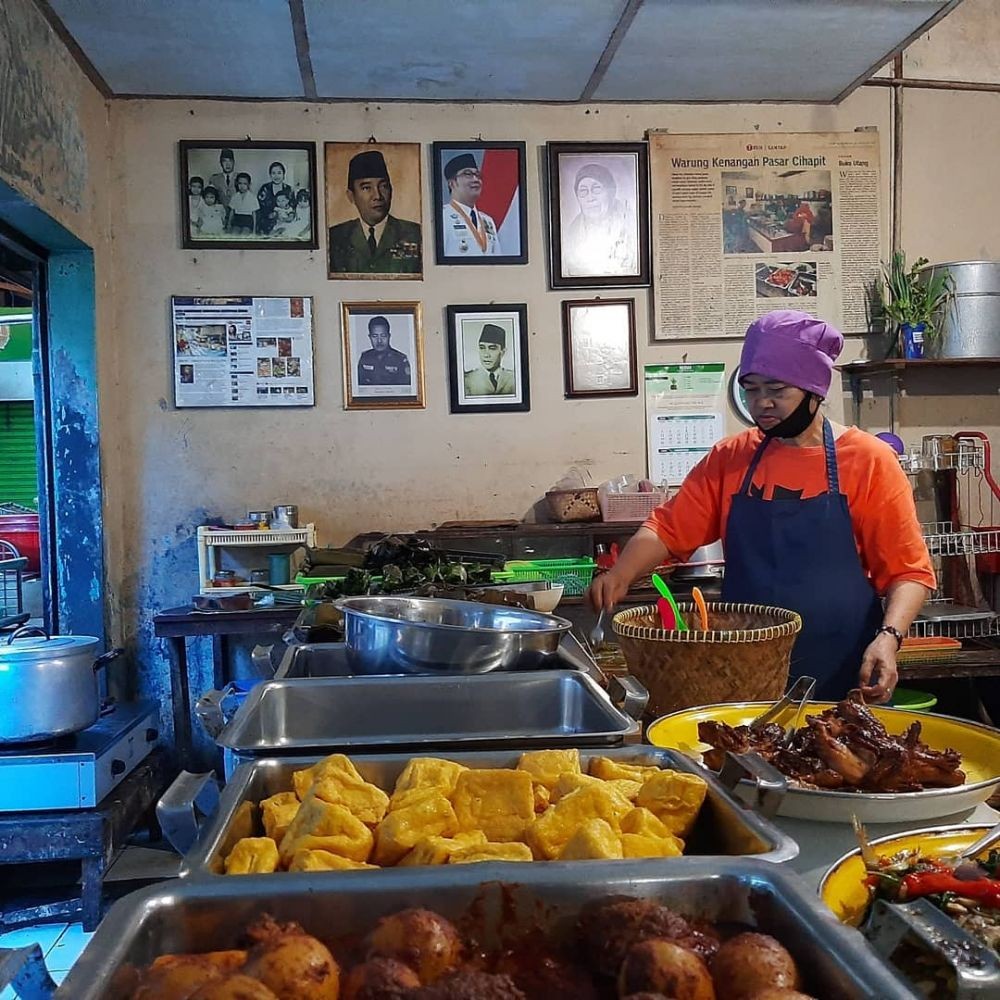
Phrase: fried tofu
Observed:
(366, 801)
(608, 769)
(277, 813)
(542, 796)
(675, 798)
(546, 766)
(571, 782)
(498, 801)
(438, 850)
(549, 833)
(337, 764)
(426, 773)
(635, 845)
(306, 860)
(325, 826)
(644, 823)
(491, 852)
(244, 823)
(592, 840)
(252, 856)
(402, 829)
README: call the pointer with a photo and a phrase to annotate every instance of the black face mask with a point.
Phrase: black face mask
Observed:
(796, 421)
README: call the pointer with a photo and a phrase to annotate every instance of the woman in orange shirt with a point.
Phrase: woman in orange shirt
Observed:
(814, 516)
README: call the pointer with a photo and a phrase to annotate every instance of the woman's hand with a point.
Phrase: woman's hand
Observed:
(878, 675)
(607, 590)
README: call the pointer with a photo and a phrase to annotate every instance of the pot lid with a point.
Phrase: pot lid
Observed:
(39, 647)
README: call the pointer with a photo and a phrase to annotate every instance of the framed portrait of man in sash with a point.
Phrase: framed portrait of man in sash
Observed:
(480, 214)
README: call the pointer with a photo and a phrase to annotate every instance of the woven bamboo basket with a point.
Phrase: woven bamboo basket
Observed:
(745, 655)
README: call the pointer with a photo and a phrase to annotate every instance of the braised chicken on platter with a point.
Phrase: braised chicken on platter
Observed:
(844, 748)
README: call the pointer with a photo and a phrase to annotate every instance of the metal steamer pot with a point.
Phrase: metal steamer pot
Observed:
(48, 685)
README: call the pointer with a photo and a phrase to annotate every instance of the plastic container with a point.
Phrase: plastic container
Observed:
(574, 574)
(913, 701)
(630, 506)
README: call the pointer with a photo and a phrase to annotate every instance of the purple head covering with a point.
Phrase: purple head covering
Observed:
(792, 347)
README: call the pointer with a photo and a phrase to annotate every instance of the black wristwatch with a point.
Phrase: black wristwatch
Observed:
(893, 631)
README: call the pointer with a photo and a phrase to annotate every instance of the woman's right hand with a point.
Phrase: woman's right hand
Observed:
(607, 590)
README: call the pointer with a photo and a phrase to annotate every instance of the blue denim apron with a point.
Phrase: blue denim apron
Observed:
(801, 555)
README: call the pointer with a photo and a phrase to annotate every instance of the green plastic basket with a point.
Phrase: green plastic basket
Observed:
(913, 701)
(574, 574)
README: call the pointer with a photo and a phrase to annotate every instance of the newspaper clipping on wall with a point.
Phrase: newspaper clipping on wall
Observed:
(747, 223)
(242, 351)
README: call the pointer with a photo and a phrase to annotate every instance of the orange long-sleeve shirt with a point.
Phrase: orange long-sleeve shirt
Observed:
(879, 497)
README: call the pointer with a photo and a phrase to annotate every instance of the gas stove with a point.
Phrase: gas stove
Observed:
(77, 772)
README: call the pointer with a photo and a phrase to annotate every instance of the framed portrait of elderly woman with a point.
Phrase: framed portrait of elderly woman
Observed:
(480, 213)
(383, 355)
(488, 358)
(599, 347)
(248, 195)
(598, 214)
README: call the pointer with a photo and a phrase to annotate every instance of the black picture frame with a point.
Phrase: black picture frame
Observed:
(469, 385)
(612, 351)
(503, 181)
(255, 158)
(605, 245)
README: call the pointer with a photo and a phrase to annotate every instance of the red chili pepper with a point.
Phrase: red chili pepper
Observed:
(983, 890)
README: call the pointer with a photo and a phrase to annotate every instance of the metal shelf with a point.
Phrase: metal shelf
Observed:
(944, 540)
(980, 629)
(211, 540)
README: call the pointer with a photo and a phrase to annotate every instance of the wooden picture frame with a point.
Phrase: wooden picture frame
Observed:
(380, 374)
(488, 358)
(599, 348)
(598, 214)
(275, 210)
(481, 218)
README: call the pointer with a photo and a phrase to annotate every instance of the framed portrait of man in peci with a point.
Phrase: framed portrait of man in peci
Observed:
(488, 358)
(373, 210)
(383, 355)
(598, 214)
(248, 195)
(480, 214)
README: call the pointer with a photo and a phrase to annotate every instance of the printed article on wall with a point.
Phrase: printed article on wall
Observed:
(747, 223)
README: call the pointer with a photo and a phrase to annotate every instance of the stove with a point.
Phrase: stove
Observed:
(77, 772)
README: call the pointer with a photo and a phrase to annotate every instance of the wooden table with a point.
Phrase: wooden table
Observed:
(984, 662)
(177, 625)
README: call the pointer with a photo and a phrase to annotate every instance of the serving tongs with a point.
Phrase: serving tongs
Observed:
(794, 701)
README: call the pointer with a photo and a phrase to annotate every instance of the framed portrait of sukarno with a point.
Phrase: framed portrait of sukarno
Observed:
(598, 214)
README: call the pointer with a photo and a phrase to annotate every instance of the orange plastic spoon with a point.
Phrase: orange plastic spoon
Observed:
(699, 600)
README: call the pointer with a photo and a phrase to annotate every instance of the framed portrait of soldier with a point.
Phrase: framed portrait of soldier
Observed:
(248, 195)
(383, 355)
(598, 214)
(373, 211)
(488, 358)
(480, 213)
(599, 356)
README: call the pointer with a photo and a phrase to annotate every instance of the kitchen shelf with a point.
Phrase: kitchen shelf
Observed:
(861, 369)
(212, 540)
(944, 540)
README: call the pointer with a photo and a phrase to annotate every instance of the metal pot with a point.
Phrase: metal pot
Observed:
(421, 635)
(48, 685)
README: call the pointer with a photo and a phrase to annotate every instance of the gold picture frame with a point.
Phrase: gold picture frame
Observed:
(383, 361)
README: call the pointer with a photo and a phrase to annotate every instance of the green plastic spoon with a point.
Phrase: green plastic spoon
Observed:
(664, 592)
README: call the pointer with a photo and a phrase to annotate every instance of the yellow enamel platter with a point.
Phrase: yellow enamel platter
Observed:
(843, 887)
(978, 745)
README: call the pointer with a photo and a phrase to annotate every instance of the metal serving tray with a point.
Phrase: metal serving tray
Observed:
(548, 708)
(724, 826)
(835, 961)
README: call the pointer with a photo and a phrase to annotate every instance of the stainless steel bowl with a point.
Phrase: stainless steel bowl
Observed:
(422, 635)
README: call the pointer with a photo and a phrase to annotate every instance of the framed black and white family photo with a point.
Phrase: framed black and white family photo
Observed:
(248, 195)
(488, 358)
(383, 355)
(599, 354)
(480, 213)
(598, 214)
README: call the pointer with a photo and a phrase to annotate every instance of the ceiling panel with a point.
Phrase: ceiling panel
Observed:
(225, 48)
(781, 50)
(450, 50)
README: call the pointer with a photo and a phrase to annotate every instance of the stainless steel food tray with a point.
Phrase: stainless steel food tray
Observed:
(724, 827)
(835, 960)
(537, 709)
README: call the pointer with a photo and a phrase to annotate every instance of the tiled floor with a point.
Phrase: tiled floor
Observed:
(61, 944)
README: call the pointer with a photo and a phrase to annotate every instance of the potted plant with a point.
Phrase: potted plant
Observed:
(912, 304)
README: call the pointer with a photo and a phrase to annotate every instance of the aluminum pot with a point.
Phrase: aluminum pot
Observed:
(48, 685)
(423, 635)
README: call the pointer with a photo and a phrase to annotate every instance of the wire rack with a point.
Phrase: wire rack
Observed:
(945, 539)
(11, 595)
(975, 628)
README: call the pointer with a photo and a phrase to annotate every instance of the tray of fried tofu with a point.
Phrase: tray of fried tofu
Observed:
(337, 813)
